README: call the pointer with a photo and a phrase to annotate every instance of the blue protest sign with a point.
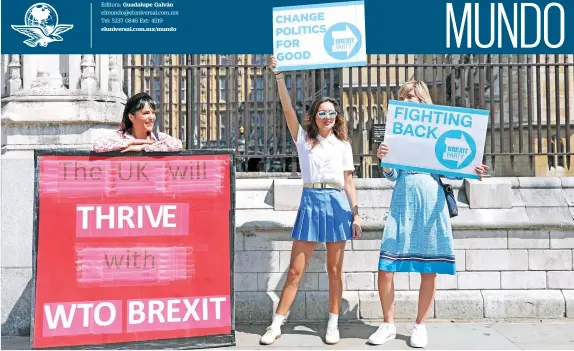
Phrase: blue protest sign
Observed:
(319, 36)
(436, 139)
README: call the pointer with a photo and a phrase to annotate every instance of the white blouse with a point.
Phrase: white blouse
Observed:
(327, 161)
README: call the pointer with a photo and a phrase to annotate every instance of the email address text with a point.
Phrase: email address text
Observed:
(138, 13)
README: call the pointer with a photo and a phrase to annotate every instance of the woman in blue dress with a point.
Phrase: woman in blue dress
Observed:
(417, 235)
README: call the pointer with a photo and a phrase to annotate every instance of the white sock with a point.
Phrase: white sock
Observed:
(333, 319)
(278, 321)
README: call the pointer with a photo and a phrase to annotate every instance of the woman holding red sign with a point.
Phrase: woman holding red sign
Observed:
(324, 215)
(136, 130)
(417, 235)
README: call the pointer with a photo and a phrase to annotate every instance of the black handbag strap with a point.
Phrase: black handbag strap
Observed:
(438, 177)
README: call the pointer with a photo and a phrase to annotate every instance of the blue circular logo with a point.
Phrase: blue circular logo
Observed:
(455, 149)
(342, 41)
(42, 15)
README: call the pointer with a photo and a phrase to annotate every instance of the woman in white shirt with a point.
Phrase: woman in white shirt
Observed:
(324, 215)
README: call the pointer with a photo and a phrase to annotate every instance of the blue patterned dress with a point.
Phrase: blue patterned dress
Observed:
(418, 234)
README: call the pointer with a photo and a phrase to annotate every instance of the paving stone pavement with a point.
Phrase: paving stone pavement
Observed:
(523, 335)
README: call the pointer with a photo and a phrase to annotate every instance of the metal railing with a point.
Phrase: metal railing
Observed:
(231, 101)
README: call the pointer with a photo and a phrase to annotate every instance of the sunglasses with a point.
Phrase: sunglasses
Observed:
(327, 114)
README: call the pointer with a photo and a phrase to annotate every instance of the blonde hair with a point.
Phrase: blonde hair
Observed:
(419, 88)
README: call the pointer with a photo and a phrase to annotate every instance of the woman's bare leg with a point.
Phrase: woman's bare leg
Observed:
(335, 255)
(300, 255)
(426, 296)
(387, 295)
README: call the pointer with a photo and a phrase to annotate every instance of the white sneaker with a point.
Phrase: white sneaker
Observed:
(271, 334)
(386, 332)
(332, 335)
(419, 336)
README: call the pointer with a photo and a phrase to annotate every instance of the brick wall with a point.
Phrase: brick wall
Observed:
(514, 262)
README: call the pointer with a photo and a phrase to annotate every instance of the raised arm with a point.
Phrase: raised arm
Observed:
(288, 110)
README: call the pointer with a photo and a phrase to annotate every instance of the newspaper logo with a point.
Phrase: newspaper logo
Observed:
(41, 25)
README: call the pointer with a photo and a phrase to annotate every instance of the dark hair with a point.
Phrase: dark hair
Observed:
(133, 105)
(310, 125)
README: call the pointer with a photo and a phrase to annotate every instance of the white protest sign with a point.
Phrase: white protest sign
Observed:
(435, 139)
(319, 36)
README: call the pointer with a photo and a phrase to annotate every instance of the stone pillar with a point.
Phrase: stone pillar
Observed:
(127, 77)
(88, 82)
(114, 78)
(14, 75)
(75, 71)
(48, 77)
(39, 112)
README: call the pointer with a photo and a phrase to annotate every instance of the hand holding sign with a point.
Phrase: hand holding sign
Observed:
(273, 65)
(480, 170)
(382, 151)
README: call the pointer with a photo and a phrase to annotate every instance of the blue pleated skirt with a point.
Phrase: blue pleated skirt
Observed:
(324, 216)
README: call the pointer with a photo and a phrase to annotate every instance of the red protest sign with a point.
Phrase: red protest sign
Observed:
(132, 249)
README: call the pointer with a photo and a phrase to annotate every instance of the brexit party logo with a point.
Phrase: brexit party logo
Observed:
(41, 25)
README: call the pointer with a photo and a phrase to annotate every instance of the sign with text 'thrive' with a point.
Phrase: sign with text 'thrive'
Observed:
(132, 250)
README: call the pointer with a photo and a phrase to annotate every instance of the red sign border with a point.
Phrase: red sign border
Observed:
(197, 342)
